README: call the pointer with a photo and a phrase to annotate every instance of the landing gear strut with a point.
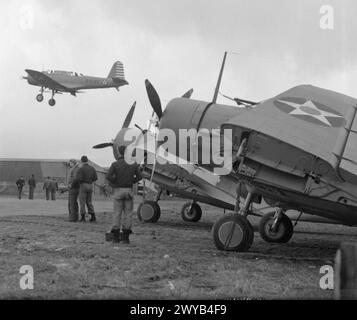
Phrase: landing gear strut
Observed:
(149, 211)
(39, 97)
(52, 101)
(191, 212)
(234, 232)
(276, 227)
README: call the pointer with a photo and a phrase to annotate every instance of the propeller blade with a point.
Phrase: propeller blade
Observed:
(129, 117)
(103, 145)
(154, 99)
(188, 94)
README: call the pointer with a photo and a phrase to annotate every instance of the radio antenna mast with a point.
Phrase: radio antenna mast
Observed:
(219, 79)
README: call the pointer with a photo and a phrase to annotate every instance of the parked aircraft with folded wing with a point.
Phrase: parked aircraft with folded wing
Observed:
(296, 151)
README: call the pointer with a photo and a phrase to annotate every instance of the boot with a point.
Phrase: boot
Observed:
(117, 237)
(83, 218)
(93, 218)
(126, 234)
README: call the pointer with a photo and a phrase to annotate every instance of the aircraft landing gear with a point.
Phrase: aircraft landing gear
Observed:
(39, 97)
(234, 232)
(52, 101)
(150, 211)
(276, 227)
(191, 212)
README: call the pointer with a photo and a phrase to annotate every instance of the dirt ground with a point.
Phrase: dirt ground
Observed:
(171, 259)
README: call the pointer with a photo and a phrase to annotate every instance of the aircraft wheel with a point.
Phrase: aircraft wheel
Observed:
(149, 212)
(283, 233)
(191, 212)
(52, 102)
(39, 97)
(233, 233)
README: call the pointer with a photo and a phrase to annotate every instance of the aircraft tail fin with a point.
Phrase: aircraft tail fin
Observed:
(117, 71)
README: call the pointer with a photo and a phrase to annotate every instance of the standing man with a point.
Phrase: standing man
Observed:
(86, 176)
(20, 183)
(32, 186)
(73, 191)
(54, 189)
(122, 177)
(47, 187)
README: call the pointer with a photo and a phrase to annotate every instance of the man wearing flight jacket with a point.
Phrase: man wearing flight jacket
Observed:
(122, 176)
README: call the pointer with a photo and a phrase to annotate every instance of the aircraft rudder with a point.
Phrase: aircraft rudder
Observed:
(117, 71)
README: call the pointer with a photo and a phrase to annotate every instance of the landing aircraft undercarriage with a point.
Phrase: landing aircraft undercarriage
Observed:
(40, 97)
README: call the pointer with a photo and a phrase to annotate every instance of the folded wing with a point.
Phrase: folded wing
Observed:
(318, 122)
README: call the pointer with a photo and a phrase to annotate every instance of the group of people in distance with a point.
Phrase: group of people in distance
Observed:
(50, 186)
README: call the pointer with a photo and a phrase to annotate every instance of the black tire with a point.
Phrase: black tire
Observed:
(233, 233)
(52, 102)
(284, 233)
(149, 212)
(193, 215)
(251, 234)
(39, 97)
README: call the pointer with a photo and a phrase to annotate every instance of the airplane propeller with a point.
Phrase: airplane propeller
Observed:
(126, 125)
(156, 106)
(188, 94)
(103, 145)
(129, 117)
(154, 99)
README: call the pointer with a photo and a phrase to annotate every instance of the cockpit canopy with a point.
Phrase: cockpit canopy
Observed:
(64, 73)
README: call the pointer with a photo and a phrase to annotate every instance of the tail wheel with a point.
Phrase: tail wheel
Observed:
(149, 212)
(233, 233)
(284, 230)
(191, 212)
(39, 97)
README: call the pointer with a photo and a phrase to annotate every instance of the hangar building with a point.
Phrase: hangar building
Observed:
(12, 169)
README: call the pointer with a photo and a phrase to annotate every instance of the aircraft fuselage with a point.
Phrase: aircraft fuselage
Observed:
(78, 82)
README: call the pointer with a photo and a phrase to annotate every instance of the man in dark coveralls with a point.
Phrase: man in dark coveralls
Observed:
(20, 183)
(47, 188)
(86, 176)
(32, 186)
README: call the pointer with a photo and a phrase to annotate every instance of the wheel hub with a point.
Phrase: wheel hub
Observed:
(147, 212)
(231, 234)
(277, 232)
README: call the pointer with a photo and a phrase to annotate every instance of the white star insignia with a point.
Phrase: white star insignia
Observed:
(310, 109)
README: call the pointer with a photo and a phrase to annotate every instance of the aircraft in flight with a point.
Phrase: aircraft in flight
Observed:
(72, 82)
(296, 151)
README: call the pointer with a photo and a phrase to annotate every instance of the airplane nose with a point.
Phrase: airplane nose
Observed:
(30, 80)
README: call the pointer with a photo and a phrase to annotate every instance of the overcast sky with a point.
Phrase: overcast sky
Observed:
(178, 45)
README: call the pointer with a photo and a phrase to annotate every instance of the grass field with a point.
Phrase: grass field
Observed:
(168, 260)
